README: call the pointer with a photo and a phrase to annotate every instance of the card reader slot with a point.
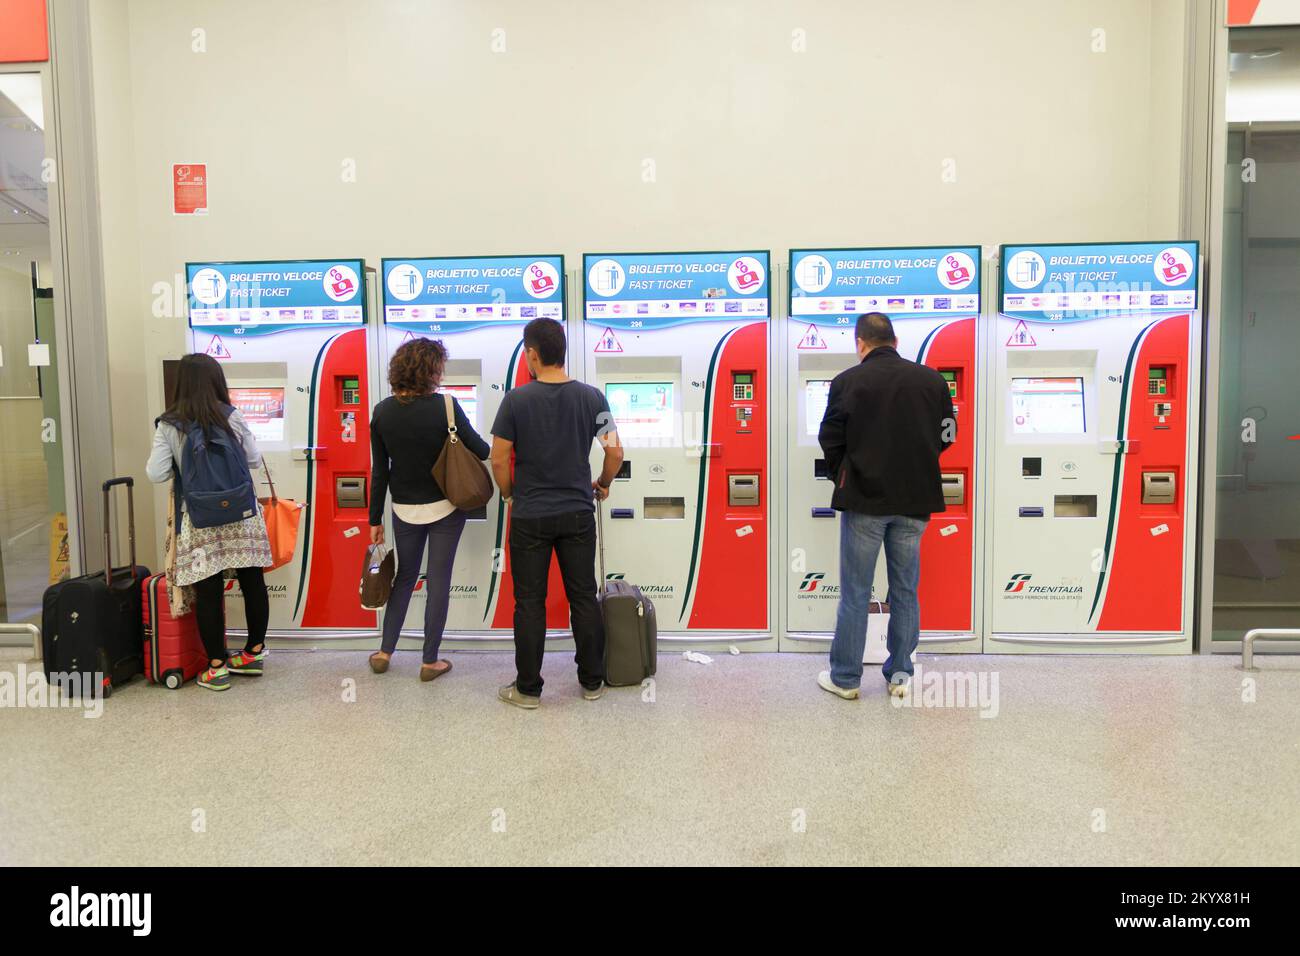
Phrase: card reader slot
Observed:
(622, 512)
(823, 512)
(1029, 511)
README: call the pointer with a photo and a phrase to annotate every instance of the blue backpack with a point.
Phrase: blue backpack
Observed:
(215, 480)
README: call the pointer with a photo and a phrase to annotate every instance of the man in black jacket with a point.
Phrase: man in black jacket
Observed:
(887, 421)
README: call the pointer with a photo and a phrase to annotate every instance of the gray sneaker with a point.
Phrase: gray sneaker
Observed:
(900, 685)
(594, 693)
(511, 695)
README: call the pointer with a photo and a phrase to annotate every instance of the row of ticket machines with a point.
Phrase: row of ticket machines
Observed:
(1067, 523)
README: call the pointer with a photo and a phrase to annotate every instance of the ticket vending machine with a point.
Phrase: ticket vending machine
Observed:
(932, 295)
(1095, 422)
(678, 343)
(477, 307)
(291, 337)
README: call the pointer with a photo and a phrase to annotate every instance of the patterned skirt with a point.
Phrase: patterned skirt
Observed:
(203, 552)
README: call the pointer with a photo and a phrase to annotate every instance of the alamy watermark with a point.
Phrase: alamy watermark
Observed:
(952, 689)
(29, 688)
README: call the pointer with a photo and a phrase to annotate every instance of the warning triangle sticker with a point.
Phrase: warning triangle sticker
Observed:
(1020, 337)
(812, 339)
(608, 342)
(408, 337)
(217, 348)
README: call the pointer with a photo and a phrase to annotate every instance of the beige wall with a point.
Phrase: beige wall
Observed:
(543, 147)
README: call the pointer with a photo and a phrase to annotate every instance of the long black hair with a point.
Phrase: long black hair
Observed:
(201, 397)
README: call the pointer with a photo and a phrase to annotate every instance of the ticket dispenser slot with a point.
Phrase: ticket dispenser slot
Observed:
(742, 491)
(954, 489)
(1074, 506)
(664, 508)
(1159, 488)
(350, 492)
(821, 469)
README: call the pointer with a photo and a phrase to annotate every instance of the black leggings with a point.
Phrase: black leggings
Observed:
(209, 608)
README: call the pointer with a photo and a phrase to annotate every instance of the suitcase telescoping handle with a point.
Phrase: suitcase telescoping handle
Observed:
(600, 543)
(108, 527)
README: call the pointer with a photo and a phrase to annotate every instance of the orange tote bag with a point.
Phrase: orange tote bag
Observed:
(281, 516)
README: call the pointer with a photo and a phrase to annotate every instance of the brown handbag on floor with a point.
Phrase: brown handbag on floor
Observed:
(461, 476)
(376, 577)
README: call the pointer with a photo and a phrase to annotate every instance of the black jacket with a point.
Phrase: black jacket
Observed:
(406, 438)
(882, 435)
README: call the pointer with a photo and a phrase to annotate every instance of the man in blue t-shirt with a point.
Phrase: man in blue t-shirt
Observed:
(548, 426)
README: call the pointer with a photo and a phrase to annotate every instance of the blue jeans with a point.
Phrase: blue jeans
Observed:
(860, 539)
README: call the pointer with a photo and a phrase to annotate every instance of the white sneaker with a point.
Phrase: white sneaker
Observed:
(900, 686)
(825, 683)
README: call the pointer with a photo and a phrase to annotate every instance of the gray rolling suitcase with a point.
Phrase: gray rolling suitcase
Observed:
(631, 630)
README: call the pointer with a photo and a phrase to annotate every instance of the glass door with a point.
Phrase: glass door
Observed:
(33, 517)
(1256, 574)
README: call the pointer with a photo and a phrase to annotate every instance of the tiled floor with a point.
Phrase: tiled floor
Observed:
(1088, 761)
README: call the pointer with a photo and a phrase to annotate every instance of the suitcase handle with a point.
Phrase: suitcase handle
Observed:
(108, 525)
(600, 541)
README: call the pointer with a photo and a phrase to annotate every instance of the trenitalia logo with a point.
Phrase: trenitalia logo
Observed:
(814, 585)
(1019, 584)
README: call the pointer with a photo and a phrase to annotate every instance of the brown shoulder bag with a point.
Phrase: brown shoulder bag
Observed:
(461, 476)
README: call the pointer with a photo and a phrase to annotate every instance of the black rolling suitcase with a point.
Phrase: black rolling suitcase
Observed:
(92, 625)
(631, 629)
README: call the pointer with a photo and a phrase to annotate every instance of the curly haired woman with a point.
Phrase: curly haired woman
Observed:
(407, 433)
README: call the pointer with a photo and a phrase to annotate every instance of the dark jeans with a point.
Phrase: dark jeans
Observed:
(443, 537)
(209, 609)
(573, 538)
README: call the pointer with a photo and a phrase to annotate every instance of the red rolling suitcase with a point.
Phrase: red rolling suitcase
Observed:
(173, 652)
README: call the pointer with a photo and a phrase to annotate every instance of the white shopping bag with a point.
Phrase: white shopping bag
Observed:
(877, 651)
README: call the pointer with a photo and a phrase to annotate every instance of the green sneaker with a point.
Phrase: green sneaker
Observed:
(243, 662)
(215, 678)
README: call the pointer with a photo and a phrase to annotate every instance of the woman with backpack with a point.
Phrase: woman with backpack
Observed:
(203, 443)
(407, 434)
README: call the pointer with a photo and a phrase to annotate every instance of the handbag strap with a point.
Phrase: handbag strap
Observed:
(266, 469)
(451, 418)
